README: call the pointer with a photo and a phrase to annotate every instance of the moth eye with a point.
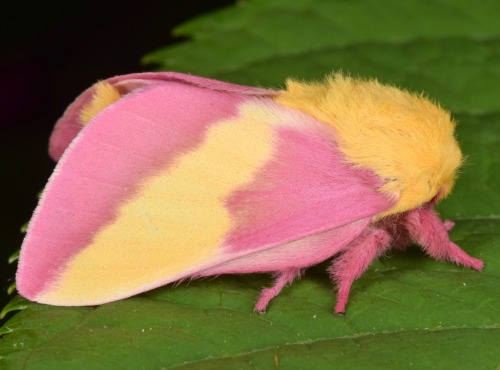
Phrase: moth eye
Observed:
(435, 199)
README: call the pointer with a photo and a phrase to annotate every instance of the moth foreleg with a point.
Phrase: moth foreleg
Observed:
(431, 233)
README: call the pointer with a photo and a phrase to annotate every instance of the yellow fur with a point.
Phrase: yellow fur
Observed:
(404, 138)
(104, 94)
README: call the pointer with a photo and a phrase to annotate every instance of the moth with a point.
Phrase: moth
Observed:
(166, 176)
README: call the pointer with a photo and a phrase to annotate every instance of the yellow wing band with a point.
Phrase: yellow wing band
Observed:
(174, 223)
(104, 94)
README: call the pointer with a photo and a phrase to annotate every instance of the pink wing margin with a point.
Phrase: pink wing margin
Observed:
(68, 126)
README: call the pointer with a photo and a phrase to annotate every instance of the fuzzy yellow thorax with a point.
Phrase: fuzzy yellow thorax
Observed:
(404, 138)
(104, 94)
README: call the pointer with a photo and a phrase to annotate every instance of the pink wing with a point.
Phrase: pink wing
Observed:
(68, 126)
(189, 177)
(307, 200)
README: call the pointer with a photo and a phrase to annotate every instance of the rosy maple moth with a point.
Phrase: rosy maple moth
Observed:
(165, 176)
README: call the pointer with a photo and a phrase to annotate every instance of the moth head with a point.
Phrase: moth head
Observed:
(405, 138)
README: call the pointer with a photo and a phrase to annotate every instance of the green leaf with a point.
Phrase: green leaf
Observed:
(12, 288)
(270, 40)
(477, 191)
(24, 227)
(407, 311)
(13, 257)
(16, 303)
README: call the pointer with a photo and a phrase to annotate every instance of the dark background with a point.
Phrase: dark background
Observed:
(49, 54)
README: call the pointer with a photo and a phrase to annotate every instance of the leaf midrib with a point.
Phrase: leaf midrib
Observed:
(321, 340)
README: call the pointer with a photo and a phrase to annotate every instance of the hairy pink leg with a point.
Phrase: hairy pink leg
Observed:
(430, 232)
(354, 261)
(399, 237)
(284, 278)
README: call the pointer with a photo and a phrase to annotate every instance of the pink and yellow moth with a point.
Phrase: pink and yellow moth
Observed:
(166, 176)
